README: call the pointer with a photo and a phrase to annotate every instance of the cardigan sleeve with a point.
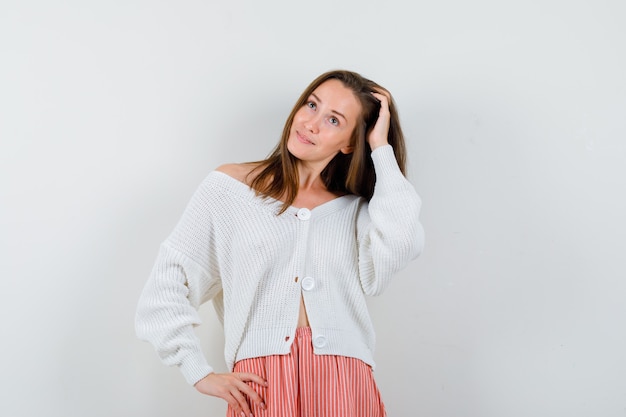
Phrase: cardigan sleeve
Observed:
(389, 231)
(183, 277)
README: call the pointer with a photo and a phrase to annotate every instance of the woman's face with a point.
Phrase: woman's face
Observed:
(324, 125)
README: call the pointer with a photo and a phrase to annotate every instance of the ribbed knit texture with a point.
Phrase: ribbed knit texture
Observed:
(232, 247)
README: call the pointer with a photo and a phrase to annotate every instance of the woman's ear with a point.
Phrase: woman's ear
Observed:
(347, 150)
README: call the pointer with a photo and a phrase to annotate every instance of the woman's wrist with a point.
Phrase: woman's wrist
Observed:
(378, 145)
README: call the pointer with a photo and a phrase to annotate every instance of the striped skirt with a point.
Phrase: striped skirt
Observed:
(302, 384)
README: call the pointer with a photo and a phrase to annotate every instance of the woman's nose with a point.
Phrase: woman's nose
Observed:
(312, 124)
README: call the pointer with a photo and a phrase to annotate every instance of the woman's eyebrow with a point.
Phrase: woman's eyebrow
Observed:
(333, 111)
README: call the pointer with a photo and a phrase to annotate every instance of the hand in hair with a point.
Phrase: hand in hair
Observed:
(378, 135)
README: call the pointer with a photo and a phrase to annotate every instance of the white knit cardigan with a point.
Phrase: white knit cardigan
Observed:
(232, 247)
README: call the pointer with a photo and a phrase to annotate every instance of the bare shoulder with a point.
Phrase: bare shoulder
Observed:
(240, 172)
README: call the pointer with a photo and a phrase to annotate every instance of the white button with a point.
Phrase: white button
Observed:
(308, 283)
(304, 214)
(319, 341)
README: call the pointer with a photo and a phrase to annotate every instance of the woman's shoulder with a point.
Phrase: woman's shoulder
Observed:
(242, 172)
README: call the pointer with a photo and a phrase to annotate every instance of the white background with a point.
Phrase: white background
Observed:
(112, 112)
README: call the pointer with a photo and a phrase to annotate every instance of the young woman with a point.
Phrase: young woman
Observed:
(288, 248)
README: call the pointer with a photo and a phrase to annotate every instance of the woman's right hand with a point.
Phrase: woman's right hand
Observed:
(232, 387)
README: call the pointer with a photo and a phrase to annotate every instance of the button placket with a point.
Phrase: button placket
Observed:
(319, 341)
(304, 214)
(308, 283)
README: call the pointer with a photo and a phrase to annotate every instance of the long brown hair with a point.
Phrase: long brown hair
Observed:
(351, 173)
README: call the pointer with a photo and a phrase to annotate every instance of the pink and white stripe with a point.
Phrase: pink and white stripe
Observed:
(302, 384)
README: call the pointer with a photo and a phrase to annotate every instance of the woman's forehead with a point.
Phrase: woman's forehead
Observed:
(337, 97)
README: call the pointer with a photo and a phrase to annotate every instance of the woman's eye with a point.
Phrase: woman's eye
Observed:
(334, 121)
(311, 105)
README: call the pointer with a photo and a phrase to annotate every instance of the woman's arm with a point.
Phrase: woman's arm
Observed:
(390, 234)
(183, 277)
(389, 231)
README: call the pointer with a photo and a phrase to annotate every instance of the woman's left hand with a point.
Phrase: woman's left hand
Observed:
(378, 136)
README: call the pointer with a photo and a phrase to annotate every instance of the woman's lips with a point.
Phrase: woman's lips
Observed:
(303, 139)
